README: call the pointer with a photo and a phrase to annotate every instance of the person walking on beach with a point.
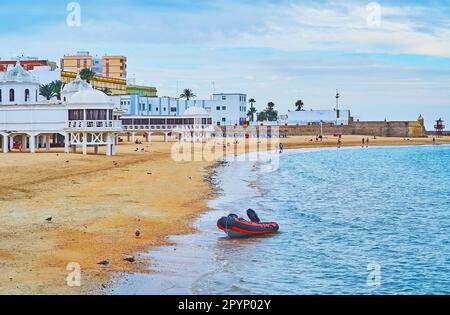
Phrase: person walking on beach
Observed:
(367, 142)
(281, 147)
(363, 142)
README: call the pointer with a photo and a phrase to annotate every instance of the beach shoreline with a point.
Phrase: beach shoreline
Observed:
(96, 207)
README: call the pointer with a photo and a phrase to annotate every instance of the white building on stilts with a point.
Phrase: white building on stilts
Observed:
(84, 118)
(199, 128)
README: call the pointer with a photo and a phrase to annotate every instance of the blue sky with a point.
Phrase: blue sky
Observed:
(276, 51)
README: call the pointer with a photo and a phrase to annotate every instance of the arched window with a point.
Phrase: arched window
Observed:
(27, 95)
(11, 95)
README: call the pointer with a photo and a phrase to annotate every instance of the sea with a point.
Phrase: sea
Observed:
(352, 221)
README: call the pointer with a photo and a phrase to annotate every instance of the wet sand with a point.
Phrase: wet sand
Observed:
(96, 204)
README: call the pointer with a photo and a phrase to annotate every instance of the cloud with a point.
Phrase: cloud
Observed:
(273, 50)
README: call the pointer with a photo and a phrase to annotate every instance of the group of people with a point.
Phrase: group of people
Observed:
(365, 142)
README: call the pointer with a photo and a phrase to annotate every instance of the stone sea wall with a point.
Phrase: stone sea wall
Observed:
(406, 129)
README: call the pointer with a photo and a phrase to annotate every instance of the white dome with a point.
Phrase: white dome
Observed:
(18, 74)
(91, 96)
(76, 85)
(195, 111)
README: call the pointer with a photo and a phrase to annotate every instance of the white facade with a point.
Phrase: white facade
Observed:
(85, 120)
(18, 86)
(229, 108)
(225, 109)
(310, 117)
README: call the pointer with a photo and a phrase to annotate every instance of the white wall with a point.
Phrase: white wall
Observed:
(231, 107)
(235, 108)
(19, 93)
(316, 116)
(45, 75)
(33, 118)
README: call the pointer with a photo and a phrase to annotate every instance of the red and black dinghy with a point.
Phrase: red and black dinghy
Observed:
(236, 227)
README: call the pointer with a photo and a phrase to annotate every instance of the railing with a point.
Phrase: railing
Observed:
(94, 124)
(168, 127)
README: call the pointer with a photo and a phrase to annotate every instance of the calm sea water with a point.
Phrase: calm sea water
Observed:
(353, 221)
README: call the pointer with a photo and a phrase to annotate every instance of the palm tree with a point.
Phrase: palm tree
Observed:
(188, 94)
(47, 91)
(252, 111)
(87, 75)
(299, 106)
(56, 86)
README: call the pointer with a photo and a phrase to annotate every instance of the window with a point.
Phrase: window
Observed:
(224, 98)
(96, 114)
(11, 95)
(27, 95)
(76, 114)
(224, 108)
(224, 119)
(218, 108)
(173, 109)
(164, 109)
(157, 109)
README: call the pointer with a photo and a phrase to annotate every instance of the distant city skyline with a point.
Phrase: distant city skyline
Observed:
(389, 59)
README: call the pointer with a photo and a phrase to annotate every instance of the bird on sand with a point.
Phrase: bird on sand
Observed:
(103, 262)
(130, 259)
(137, 233)
(49, 219)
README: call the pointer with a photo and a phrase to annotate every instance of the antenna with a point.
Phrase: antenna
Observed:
(337, 99)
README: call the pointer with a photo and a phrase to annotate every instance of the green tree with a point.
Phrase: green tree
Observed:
(262, 116)
(188, 94)
(299, 106)
(272, 115)
(47, 91)
(106, 90)
(87, 75)
(56, 87)
(252, 111)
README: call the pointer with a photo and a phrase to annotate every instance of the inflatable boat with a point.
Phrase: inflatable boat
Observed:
(236, 227)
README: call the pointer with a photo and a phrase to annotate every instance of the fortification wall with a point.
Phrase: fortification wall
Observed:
(405, 129)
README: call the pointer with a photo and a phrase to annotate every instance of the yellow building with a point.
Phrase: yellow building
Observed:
(116, 86)
(114, 66)
(76, 63)
(106, 66)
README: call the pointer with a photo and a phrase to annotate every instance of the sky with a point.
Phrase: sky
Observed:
(389, 59)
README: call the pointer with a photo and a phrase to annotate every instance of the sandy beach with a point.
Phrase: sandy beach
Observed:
(96, 204)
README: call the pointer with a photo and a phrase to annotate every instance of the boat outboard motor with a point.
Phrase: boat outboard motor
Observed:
(253, 216)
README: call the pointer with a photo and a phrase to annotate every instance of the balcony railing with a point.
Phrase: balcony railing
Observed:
(94, 124)
(169, 128)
